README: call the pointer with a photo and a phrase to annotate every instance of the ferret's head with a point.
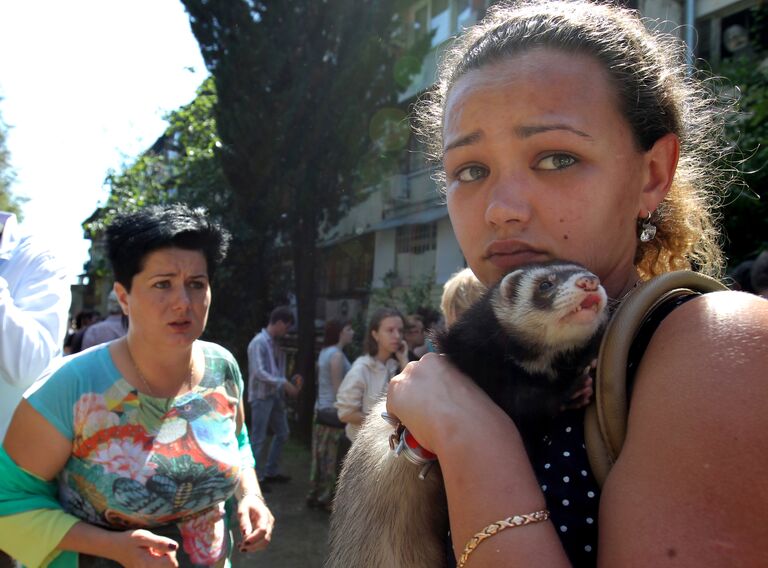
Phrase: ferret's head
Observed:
(558, 305)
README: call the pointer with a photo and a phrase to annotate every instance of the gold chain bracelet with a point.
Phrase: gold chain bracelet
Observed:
(258, 496)
(497, 527)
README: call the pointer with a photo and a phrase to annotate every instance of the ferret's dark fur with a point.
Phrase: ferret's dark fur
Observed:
(527, 343)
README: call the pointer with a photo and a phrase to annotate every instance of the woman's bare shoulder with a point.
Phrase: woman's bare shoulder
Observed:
(689, 485)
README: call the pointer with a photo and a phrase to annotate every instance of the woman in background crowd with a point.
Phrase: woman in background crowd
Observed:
(366, 382)
(327, 429)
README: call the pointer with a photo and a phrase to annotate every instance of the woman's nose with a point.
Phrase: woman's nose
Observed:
(507, 202)
(182, 299)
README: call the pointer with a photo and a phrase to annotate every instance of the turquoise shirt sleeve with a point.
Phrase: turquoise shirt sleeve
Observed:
(243, 442)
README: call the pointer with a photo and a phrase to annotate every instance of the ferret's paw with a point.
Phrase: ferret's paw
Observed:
(583, 394)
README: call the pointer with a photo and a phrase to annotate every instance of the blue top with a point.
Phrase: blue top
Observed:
(326, 394)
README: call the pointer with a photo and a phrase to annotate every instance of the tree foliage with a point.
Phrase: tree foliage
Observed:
(746, 211)
(302, 86)
(183, 166)
(413, 299)
(180, 166)
(8, 201)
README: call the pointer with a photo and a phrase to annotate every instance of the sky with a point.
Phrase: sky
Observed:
(84, 87)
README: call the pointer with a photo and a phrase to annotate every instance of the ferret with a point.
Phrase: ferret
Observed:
(527, 343)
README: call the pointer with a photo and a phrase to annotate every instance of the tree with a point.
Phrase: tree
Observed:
(745, 216)
(183, 166)
(302, 86)
(8, 201)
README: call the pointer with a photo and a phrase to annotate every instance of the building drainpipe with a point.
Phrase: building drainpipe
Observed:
(690, 31)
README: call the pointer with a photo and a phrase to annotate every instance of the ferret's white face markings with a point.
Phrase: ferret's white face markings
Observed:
(556, 308)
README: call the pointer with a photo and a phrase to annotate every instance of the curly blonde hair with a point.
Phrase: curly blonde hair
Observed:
(656, 92)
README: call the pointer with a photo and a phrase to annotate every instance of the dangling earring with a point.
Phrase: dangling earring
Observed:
(648, 229)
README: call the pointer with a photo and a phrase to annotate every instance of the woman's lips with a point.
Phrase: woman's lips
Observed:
(510, 256)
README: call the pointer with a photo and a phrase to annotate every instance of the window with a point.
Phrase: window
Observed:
(416, 252)
(416, 239)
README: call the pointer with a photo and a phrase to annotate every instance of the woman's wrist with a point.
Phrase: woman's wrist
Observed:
(461, 434)
(248, 485)
(256, 494)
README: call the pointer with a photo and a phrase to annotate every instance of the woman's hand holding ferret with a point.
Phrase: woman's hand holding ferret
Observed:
(439, 405)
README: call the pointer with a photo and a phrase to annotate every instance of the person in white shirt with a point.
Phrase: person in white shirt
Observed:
(111, 328)
(34, 302)
(366, 382)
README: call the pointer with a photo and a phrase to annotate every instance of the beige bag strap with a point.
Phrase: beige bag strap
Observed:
(605, 422)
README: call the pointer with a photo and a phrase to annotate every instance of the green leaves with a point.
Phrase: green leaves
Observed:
(8, 201)
(745, 214)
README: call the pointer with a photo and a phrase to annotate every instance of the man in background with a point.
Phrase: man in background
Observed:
(34, 302)
(267, 387)
(112, 327)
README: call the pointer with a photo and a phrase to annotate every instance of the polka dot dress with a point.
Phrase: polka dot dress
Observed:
(560, 461)
(561, 465)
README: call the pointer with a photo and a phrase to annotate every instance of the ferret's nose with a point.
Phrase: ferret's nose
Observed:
(588, 283)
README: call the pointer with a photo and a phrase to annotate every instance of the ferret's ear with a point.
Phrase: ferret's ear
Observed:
(509, 284)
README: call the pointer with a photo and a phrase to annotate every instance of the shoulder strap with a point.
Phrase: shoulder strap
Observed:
(605, 422)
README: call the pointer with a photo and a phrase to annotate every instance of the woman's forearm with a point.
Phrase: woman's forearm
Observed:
(89, 539)
(355, 417)
(128, 548)
(501, 485)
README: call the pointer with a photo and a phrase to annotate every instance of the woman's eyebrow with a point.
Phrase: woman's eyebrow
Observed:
(520, 131)
(470, 138)
(528, 131)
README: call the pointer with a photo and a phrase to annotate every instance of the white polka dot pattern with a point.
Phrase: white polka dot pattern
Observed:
(571, 492)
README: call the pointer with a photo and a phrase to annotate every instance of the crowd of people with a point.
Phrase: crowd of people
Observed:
(565, 130)
(140, 435)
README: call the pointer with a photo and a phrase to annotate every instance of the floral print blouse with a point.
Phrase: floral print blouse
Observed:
(165, 464)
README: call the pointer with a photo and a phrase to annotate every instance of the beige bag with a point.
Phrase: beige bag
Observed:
(605, 422)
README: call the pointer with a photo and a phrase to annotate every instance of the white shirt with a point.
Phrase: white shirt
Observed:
(34, 301)
(362, 387)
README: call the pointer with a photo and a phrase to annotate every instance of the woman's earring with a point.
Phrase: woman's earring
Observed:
(648, 229)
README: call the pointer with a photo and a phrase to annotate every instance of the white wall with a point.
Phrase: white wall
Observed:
(384, 256)
(449, 257)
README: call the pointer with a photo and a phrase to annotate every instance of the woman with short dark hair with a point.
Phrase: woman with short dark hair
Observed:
(143, 437)
(327, 429)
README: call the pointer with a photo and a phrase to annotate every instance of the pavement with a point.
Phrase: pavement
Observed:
(300, 536)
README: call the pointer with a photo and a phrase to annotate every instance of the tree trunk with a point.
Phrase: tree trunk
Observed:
(303, 245)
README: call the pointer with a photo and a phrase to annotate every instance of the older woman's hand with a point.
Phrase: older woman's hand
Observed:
(433, 400)
(256, 523)
(139, 548)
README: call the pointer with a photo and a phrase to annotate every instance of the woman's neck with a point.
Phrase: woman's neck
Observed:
(382, 356)
(164, 370)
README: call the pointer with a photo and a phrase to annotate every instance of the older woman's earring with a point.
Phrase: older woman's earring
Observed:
(647, 229)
